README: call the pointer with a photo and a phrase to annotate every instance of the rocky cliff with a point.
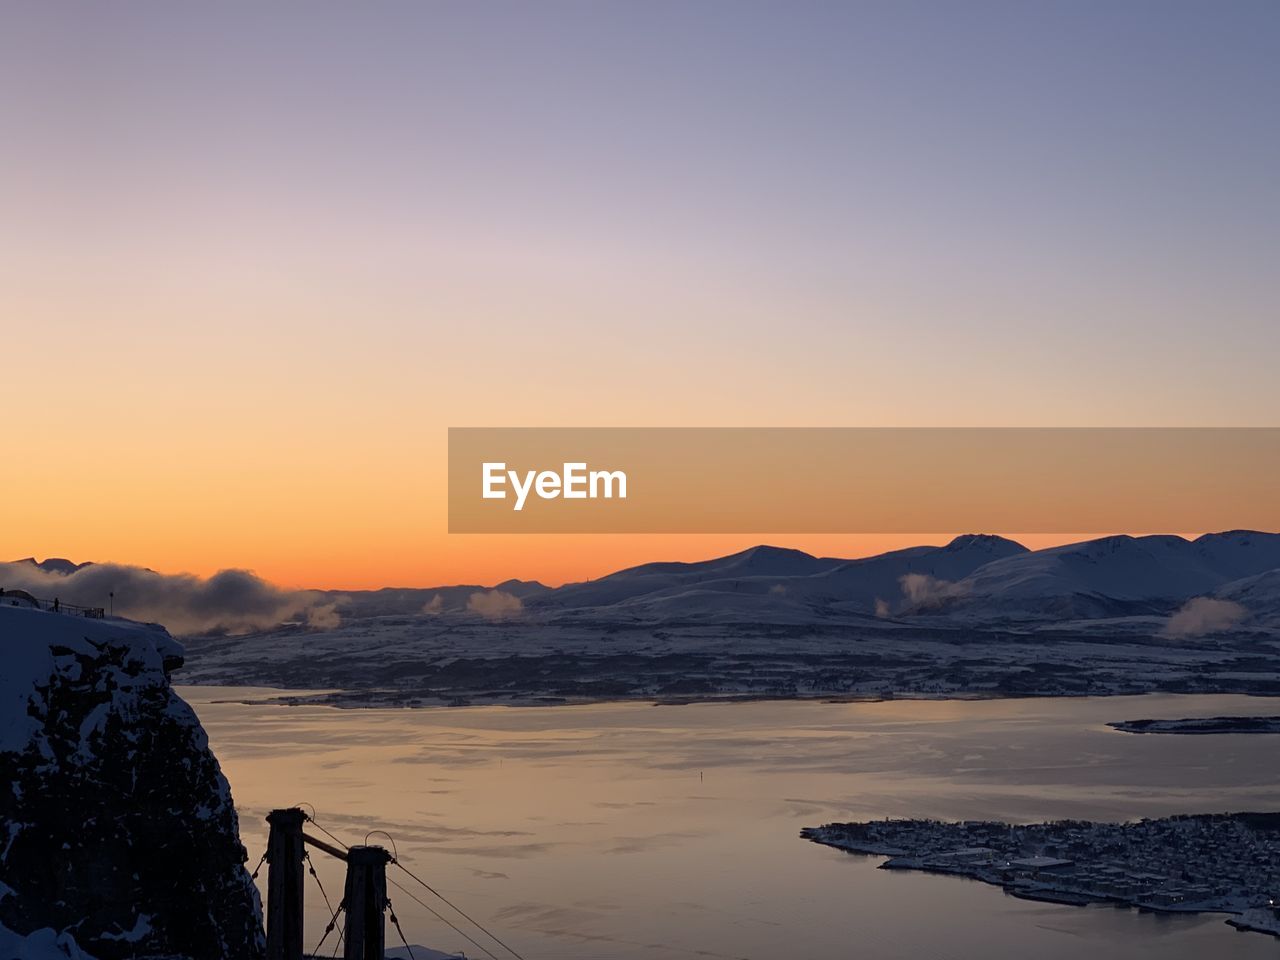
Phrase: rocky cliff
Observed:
(117, 828)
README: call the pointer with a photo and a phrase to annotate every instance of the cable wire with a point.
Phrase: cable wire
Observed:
(320, 827)
(333, 922)
(395, 920)
(426, 886)
(459, 910)
(341, 933)
(311, 868)
(426, 906)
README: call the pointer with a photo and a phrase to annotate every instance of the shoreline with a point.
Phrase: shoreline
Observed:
(375, 699)
(1244, 918)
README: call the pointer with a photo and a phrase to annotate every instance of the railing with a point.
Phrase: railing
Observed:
(365, 904)
(20, 598)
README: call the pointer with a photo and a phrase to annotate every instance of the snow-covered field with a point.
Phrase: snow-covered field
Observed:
(423, 661)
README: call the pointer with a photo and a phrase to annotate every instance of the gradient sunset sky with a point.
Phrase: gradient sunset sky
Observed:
(260, 256)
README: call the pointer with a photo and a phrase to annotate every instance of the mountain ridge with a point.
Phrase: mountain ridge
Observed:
(972, 578)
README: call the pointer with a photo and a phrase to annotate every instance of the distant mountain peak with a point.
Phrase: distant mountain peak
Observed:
(766, 550)
(55, 564)
(522, 588)
(988, 541)
(1242, 537)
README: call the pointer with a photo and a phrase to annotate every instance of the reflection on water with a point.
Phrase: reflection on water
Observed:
(631, 830)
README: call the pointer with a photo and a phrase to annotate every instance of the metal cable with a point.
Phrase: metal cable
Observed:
(459, 910)
(320, 827)
(311, 868)
(338, 944)
(392, 910)
(426, 886)
(426, 906)
(333, 922)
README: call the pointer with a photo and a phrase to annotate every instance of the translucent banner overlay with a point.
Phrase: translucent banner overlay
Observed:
(862, 480)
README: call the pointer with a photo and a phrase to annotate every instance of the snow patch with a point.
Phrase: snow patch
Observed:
(39, 643)
(141, 927)
(46, 944)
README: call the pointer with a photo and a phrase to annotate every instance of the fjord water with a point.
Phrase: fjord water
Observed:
(631, 830)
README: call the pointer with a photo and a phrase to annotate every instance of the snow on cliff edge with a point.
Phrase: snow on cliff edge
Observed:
(29, 637)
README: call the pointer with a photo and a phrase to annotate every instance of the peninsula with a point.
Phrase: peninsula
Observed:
(1220, 863)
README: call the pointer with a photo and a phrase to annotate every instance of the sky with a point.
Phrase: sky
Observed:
(259, 257)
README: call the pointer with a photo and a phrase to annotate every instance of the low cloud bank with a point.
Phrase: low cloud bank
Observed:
(920, 588)
(494, 604)
(1204, 615)
(230, 601)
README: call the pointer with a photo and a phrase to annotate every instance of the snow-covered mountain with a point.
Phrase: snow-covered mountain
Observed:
(1110, 576)
(979, 615)
(751, 571)
(1259, 596)
(1239, 553)
(863, 584)
(775, 583)
(402, 601)
(971, 580)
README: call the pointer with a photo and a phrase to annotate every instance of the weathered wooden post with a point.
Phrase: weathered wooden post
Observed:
(284, 884)
(366, 899)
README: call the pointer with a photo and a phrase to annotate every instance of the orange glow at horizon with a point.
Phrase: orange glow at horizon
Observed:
(487, 560)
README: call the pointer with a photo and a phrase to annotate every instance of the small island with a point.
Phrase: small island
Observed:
(1221, 863)
(1201, 725)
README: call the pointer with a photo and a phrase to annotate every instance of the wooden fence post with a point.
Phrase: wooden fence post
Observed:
(284, 885)
(366, 899)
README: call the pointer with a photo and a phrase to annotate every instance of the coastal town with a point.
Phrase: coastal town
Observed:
(1225, 863)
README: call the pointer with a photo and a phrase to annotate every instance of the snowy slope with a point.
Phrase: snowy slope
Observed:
(1259, 595)
(1239, 553)
(863, 582)
(774, 584)
(1112, 574)
(762, 565)
(717, 603)
(398, 601)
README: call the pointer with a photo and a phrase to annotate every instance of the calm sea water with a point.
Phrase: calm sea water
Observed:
(631, 830)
